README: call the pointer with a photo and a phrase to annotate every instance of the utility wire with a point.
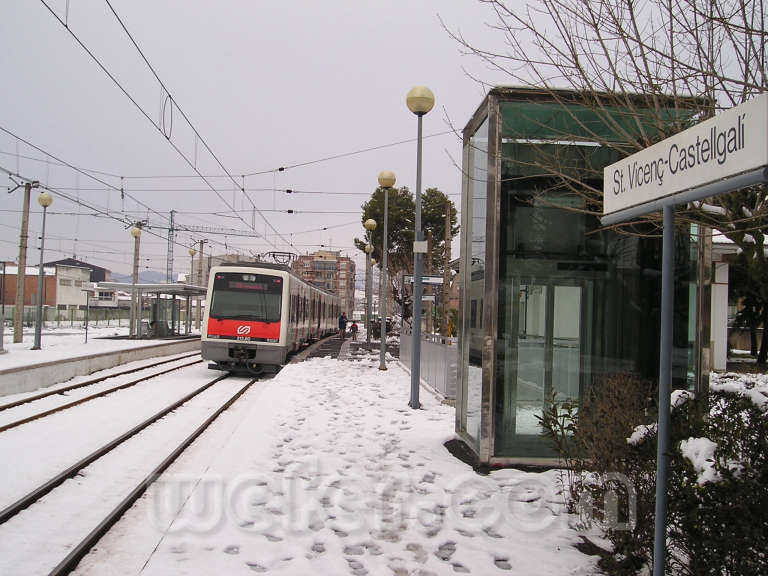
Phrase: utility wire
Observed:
(347, 154)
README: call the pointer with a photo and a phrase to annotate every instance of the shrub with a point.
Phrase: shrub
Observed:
(717, 526)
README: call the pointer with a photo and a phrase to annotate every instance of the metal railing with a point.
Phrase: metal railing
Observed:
(439, 360)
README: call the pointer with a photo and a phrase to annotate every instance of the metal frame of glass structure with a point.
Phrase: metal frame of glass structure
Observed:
(549, 302)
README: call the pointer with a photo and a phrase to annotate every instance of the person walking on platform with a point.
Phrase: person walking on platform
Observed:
(342, 325)
(353, 330)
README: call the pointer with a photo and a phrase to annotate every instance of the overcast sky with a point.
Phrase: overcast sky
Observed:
(266, 84)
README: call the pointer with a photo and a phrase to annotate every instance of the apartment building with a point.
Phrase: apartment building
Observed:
(332, 272)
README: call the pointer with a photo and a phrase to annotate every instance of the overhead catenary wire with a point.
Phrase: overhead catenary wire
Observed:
(78, 201)
(198, 136)
(189, 162)
(251, 173)
(76, 169)
(99, 211)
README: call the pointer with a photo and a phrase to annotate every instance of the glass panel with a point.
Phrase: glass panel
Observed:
(531, 358)
(476, 189)
(566, 345)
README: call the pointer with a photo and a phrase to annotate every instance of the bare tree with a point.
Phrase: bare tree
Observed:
(646, 69)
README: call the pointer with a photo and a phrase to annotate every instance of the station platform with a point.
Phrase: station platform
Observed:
(64, 355)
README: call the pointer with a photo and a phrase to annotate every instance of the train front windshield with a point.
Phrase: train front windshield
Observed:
(241, 296)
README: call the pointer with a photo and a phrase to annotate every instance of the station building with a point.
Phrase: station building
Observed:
(551, 303)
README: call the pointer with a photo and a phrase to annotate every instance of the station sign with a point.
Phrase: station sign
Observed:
(425, 279)
(729, 144)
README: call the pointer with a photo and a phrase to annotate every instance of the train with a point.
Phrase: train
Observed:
(257, 314)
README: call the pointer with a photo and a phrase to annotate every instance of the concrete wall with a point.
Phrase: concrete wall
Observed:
(28, 378)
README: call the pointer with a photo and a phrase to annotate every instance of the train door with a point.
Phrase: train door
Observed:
(294, 325)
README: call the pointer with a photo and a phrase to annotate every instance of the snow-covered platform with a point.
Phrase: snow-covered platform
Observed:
(324, 469)
(64, 355)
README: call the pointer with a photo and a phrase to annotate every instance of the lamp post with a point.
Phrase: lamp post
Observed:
(45, 199)
(136, 233)
(386, 181)
(370, 226)
(420, 100)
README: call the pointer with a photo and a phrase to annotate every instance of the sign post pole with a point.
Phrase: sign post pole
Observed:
(665, 381)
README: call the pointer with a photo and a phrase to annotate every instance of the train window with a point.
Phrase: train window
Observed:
(255, 297)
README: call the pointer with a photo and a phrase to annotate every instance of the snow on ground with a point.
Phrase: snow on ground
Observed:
(326, 470)
(44, 447)
(64, 343)
(38, 538)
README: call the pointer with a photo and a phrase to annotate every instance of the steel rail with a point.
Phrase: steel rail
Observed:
(27, 500)
(69, 563)
(93, 396)
(90, 382)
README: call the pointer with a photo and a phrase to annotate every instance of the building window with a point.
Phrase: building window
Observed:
(65, 282)
(79, 283)
(105, 295)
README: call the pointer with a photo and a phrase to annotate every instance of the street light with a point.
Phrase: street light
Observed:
(420, 100)
(136, 233)
(386, 181)
(45, 199)
(370, 226)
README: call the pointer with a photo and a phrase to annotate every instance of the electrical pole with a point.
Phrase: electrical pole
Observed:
(169, 257)
(447, 267)
(199, 281)
(135, 329)
(18, 316)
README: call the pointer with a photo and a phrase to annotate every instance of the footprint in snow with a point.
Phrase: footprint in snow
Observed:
(446, 550)
(419, 554)
(356, 567)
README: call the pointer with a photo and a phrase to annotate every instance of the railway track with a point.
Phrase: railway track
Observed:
(105, 392)
(38, 501)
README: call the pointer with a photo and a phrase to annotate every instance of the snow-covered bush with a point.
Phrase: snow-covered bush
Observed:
(718, 490)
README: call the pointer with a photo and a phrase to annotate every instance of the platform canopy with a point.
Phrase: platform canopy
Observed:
(173, 289)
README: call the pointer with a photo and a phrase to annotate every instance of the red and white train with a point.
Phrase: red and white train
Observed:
(257, 314)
